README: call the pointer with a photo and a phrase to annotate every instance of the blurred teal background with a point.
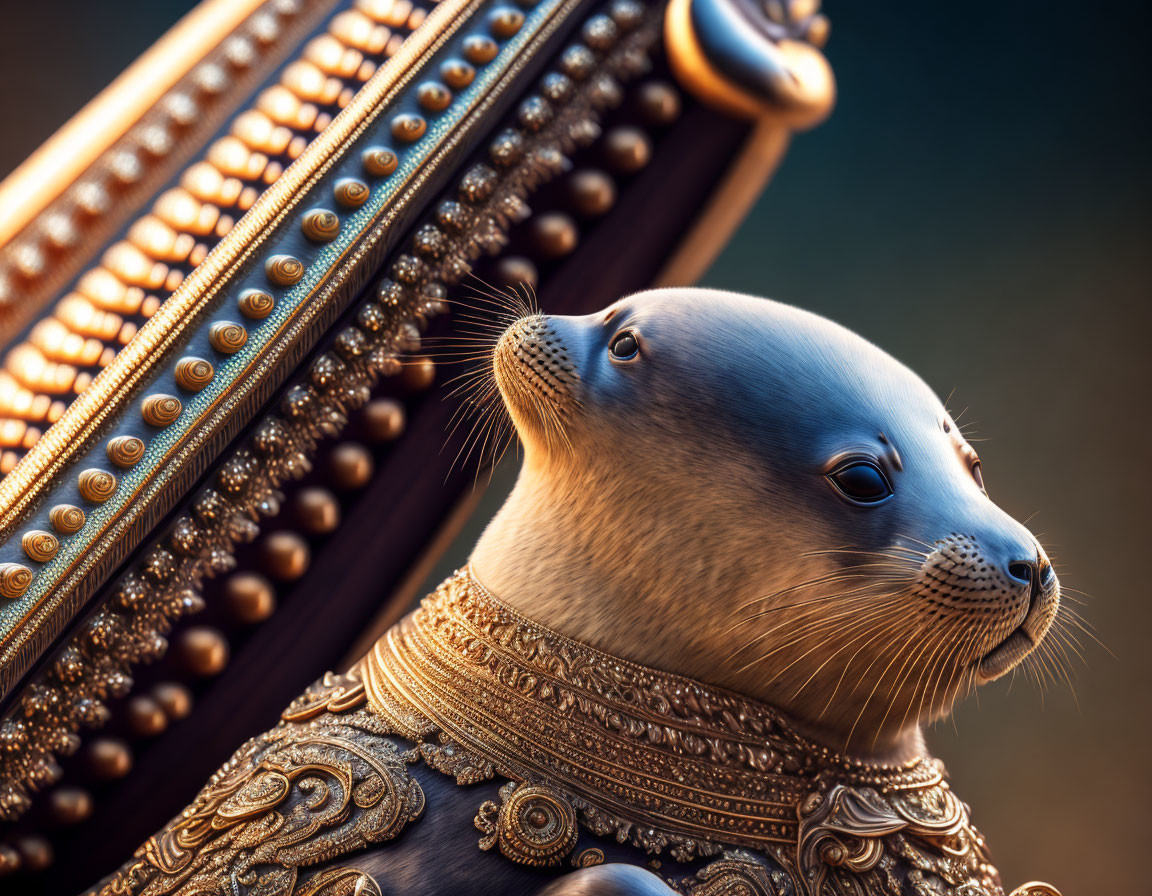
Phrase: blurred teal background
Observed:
(980, 205)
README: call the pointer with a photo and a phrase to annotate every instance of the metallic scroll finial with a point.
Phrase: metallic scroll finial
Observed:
(752, 59)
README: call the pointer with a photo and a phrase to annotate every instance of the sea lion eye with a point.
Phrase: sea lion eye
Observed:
(624, 346)
(861, 481)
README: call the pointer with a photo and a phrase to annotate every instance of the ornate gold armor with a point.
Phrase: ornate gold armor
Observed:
(668, 766)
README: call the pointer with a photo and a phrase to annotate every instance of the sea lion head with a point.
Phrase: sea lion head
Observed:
(737, 490)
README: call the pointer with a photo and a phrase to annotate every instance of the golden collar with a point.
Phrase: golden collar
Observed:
(654, 759)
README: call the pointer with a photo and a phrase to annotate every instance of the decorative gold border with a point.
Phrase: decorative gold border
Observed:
(114, 385)
(45, 174)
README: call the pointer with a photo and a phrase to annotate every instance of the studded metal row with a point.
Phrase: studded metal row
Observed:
(109, 302)
(164, 585)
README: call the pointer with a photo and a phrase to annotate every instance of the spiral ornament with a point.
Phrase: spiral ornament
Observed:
(284, 270)
(125, 451)
(39, 545)
(433, 96)
(408, 128)
(14, 580)
(255, 304)
(320, 225)
(379, 162)
(161, 410)
(194, 374)
(97, 486)
(534, 825)
(66, 518)
(351, 193)
(227, 337)
(505, 22)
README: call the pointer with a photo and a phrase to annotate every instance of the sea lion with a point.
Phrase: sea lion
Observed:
(748, 494)
(748, 554)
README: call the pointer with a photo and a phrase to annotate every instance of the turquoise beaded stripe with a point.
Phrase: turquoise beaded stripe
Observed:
(319, 261)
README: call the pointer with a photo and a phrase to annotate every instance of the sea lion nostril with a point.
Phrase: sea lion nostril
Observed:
(1023, 571)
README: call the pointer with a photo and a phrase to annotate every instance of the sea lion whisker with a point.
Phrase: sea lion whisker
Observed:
(807, 627)
(864, 553)
(759, 614)
(958, 668)
(1063, 663)
(848, 572)
(928, 647)
(863, 708)
(1073, 617)
(930, 548)
(1046, 662)
(892, 625)
(866, 629)
(1060, 631)
(938, 661)
(865, 623)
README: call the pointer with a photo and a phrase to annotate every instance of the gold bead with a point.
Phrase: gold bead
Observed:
(284, 270)
(125, 451)
(97, 486)
(255, 304)
(505, 22)
(145, 716)
(202, 650)
(516, 270)
(554, 234)
(351, 193)
(591, 192)
(39, 545)
(174, 699)
(286, 555)
(419, 373)
(658, 103)
(627, 149)
(408, 128)
(351, 466)
(66, 518)
(35, 852)
(10, 860)
(457, 73)
(109, 758)
(379, 162)
(383, 419)
(480, 49)
(316, 510)
(161, 409)
(69, 805)
(251, 598)
(194, 374)
(320, 225)
(227, 337)
(14, 580)
(433, 97)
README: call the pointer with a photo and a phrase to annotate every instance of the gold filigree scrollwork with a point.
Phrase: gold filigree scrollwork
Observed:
(294, 797)
(339, 882)
(533, 825)
(738, 873)
(850, 836)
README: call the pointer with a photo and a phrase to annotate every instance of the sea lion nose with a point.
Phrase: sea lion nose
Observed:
(1026, 572)
(1034, 572)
